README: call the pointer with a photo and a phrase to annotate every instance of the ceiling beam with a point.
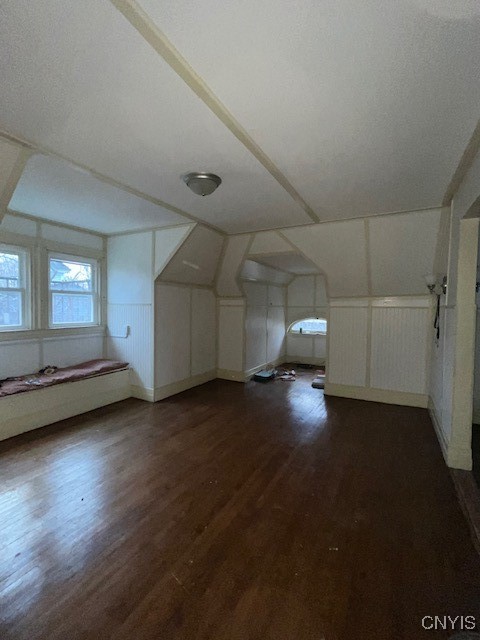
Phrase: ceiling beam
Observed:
(142, 22)
(466, 161)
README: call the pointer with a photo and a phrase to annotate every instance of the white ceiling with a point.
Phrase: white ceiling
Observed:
(365, 107)
(82, 82)
(290, 262)
(58, 191)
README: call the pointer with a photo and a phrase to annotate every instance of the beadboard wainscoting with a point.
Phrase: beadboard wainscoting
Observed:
(379, 349)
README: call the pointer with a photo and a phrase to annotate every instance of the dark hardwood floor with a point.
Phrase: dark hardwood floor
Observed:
(233, 512)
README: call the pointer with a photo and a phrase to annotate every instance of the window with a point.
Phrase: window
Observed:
(14, 289)
(309, 326)
(73, 291)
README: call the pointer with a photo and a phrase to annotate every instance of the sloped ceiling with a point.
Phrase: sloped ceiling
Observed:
(307, 110)
(231, 264)
(255, 271)
(167, 242)
(196, 260)
(378, 256)
(339, 250)
(402, 251)
(268, 242)
(56, 190)
(293, 263)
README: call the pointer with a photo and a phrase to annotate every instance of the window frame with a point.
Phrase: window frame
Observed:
(25, 291)
(309, 334)
(95, 293)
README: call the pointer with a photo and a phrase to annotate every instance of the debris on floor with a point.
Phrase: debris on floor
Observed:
(265, 375)
(319, 381)
(287, 374)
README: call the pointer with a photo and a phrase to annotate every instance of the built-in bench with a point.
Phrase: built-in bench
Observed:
(36, 400)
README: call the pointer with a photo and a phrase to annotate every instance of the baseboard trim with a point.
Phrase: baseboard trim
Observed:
(182, 385)
(230, 374)
(438, 430)
(377, 395)
(250, 372)
(143, 393)
(320, 362)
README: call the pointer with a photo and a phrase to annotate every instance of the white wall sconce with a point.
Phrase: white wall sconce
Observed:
(435, 285)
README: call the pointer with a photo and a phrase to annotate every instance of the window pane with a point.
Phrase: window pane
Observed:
(66, 275)
(71, 309)
(10, 309)
(310, 325)
(9, 270)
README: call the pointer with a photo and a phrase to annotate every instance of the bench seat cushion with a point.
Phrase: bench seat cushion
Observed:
(67, 374)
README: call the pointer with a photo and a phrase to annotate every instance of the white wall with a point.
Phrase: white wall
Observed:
(264, 325)
(171, 337)
(23, 352)
(306, 298)
(185, 337)
(231, 338)
(379, 348)
(130, 304)
(348, 343)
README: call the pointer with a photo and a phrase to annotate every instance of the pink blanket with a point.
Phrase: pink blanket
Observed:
(68, 374)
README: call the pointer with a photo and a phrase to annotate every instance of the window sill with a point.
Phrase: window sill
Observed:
(305, 335)
(33, 334)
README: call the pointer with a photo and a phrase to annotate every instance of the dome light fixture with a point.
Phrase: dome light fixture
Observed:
(203, 184)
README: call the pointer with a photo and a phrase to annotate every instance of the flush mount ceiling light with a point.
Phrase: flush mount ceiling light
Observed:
(203, 184)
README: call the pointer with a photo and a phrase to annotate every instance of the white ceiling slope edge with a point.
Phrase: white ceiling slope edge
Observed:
(166, 244)
(234, 255)
(99, 95)
(379, 256)
(292, 263)
(9, 156)
(366, 107)
(253, 271)
(269, 242)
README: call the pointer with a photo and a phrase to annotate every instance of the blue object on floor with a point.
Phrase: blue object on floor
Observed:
(265, 375)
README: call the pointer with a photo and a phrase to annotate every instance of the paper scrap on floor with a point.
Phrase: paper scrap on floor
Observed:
(288, 375)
